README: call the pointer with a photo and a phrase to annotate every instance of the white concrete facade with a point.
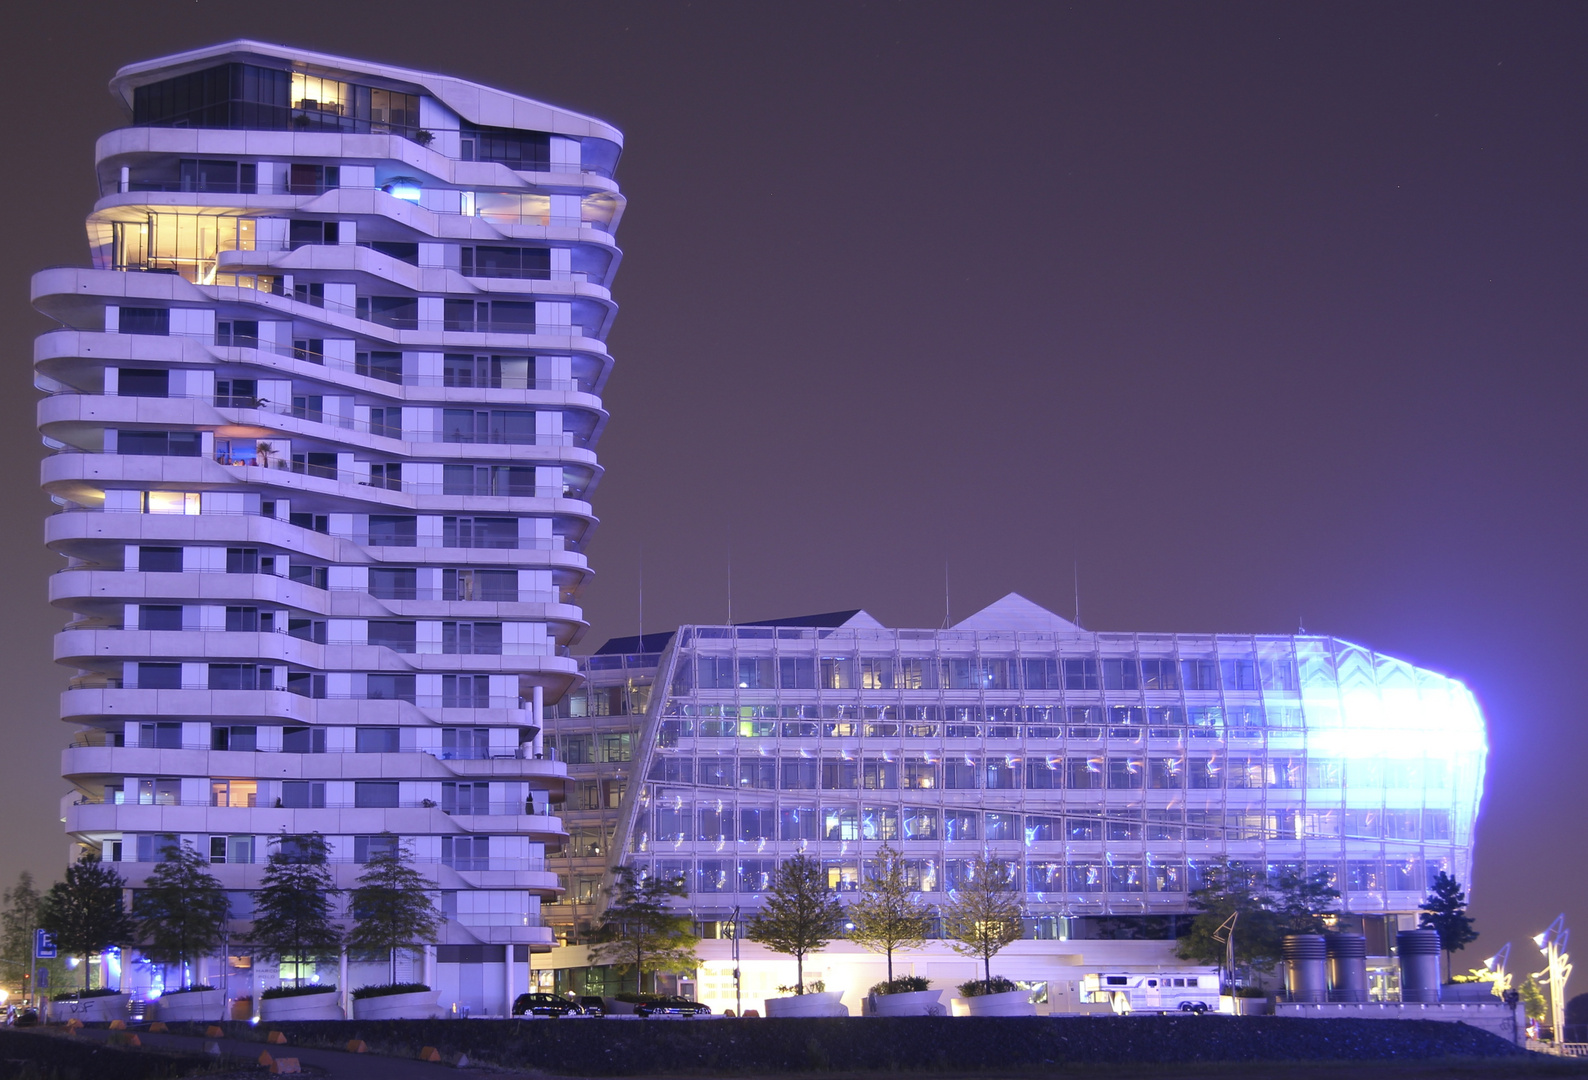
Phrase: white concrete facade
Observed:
(322, 416)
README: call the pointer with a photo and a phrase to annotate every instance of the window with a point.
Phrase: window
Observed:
(386, 530)
(380, 794)
(156, 847)
(397, 636)
(238, 677)
(1081, 674)
(159, 676)
(234, 738)
(476, 532)
(959, 773)
(457, 691)
(501, 426)
(159, 617)
(234, 793)
(798, 823)
(386, 583)
(465, 744)
(1000, 773)
(507, 262)
(1121, 674)
(840, 823)
(961, 824)
(377, 740)
(1040, 674)
(1159, 674)
(1083, 773)
(919, 774)
(143, 382)
(148, 321)
(465, 798)
(1044, 773)
(839, 774)
(366, 846)
(878, 774)
(1199, 674)
(757, 823)
(1000, 826)
(303, 740)
(920, 823)
(158, 443)
(1124, 772)
(1239, 674)
(160, 736)
(466, 852)
(799, 774)
(1165, 773)
(522, 151)
(160, 560)
(302, 794)
(232, 849)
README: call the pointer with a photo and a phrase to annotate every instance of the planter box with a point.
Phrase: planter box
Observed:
(302, 1007)
(1014, 1003)
(94, 1010)
(915, 1003)
(419, 1005)
(824, 1004)
(193, 1005)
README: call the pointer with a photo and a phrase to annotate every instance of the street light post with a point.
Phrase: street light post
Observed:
(1552, 943)
(738, 1003)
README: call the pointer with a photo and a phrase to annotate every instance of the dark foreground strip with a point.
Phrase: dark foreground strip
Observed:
(596, 1047)
(49, 1055)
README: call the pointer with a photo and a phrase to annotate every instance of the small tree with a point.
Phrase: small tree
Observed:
(641, 931)
(84, 912)
(983, 914)
(1301, 900)
(800, 916)
(1445, 913)
(1258, 930)
(889, 915)
(19, 923)
(1532, 995)
(181, 911)
(393, 908)
(292, 915)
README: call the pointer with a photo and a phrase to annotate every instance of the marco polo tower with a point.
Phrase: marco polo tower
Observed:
(321, 417)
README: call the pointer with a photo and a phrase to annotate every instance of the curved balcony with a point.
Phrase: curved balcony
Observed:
(95, 704)
(77, 358)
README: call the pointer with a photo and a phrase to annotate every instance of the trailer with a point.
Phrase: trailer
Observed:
(1192, 990)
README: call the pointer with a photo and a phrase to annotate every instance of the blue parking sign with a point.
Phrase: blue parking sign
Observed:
(43, 945)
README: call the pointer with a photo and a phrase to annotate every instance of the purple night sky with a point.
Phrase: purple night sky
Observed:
(1258, 314)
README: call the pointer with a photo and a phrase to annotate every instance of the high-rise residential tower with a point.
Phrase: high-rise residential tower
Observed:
(322, 415)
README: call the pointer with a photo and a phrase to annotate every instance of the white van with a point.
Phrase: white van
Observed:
(1186, 990)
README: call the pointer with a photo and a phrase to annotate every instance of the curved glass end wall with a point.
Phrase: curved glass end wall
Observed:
(1109, 770)
(322, 418)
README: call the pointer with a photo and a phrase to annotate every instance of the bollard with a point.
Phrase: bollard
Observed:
(214, 1032)
(1347, 966)
(1419, 952)
(430, 1053)
(1305, 957)
(277, 1038)
(158, 1028)
(356, 1046)
(285, 1067)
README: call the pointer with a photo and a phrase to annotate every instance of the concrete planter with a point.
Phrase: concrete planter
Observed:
(192, 1005)
(1014, 1003)
(915, 1003)
(322, 1006)
(94, 1010)
(419, 1005)
(824, 1004)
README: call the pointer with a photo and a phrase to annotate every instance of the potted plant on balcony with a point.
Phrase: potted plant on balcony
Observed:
(394, 912)
(888, 916)
(982, 916)
(292, 922)
(641, 931)
(800, 916)
(84, 914)
(181, 916)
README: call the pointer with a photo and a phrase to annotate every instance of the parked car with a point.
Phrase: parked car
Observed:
(26, 1018)
(592, 1005)
(545, 1005)
(672, 1006)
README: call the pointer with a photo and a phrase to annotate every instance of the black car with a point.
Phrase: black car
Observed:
(545, 1005)
(592, 1005)
(672, 1006)
(26, 1018)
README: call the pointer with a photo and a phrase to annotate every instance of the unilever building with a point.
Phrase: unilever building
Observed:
(1109, 771)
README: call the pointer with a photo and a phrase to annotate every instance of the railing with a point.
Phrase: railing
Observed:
(520, 754)
(467, 864)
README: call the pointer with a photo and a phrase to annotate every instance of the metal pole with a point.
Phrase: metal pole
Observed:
(738, 1001)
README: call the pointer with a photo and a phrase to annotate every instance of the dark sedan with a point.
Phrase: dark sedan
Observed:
(545, 1005)
(673, 1006)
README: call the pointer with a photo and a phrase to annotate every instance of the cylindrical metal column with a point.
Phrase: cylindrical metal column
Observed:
(1419, 951)
(1305, 959)
(1347, 966)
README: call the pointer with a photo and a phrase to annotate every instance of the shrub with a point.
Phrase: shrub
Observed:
(295, 991)
(186, 990)
(904, 984)
(388, 989)
(815, 986)
(78, 995)
(980, 987)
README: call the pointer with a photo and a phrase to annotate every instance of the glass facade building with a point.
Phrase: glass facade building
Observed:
(1108, 770)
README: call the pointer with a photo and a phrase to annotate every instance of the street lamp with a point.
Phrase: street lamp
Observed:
(1552, 943)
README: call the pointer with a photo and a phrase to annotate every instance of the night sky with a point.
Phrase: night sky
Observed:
(1257, 315)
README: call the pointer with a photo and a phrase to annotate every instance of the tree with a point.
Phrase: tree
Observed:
(181, 911)
(1300, 901)
(1258, 929)
(1533, 1003)
(799, 916)
(292, 915)
(84, 911)
(983, 914)
(18, 921)
(1445, 913)
(889, 915)
(641, 931)
(393, 908)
